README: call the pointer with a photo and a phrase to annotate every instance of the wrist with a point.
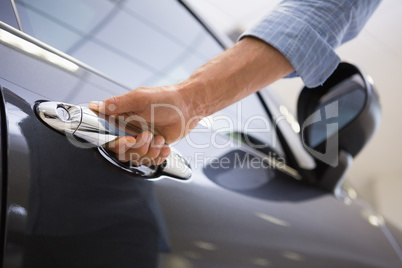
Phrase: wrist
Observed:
(193, 92)
(238, 72)
(211, 87)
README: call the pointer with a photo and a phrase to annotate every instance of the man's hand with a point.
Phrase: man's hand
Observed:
(171, 112)
(159, 110)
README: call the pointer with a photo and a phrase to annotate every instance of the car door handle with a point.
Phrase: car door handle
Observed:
(85, 128)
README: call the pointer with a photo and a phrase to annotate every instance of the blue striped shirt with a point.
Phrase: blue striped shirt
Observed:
(308, 31)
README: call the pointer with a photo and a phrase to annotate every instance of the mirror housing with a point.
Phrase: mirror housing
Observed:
(337, 119)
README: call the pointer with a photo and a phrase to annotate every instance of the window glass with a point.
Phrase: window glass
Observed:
(143, 42)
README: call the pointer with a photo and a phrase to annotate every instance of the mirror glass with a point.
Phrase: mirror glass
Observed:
(336, 110)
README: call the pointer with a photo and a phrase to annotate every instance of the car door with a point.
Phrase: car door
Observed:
(65, 205)
(49, 208)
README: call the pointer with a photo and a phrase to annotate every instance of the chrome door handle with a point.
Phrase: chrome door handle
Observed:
(89, 129)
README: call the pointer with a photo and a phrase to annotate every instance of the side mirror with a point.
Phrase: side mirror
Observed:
(337, 119)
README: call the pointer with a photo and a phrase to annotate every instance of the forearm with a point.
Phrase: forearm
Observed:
(238, 72)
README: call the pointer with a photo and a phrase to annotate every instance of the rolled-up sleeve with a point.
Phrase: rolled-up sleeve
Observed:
(308, 31)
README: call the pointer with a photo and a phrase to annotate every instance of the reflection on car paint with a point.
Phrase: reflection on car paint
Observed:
(37, 51)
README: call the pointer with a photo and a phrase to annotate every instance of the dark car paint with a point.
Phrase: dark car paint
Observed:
(50, 204)
(67, 206)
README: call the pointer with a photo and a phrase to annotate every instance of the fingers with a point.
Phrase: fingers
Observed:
(153, 151)
(158, 155)
(165, 151)
(142, 150)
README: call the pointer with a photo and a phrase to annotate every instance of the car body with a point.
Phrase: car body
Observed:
(63, 205)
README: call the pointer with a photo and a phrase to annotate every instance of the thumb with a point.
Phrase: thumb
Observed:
(114, 105)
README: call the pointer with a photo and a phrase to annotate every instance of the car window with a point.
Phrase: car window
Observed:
(138, 43)
(143, 42)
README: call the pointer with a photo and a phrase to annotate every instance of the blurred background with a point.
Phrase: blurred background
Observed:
(377, 171)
